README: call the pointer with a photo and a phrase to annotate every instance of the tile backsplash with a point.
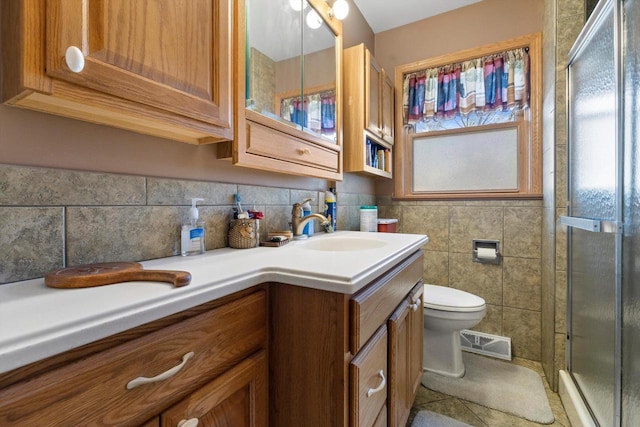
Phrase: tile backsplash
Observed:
(52, 218)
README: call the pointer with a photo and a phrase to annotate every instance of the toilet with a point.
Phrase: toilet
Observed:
(446, 312)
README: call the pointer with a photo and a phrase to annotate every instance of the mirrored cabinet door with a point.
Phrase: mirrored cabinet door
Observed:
(288, 99)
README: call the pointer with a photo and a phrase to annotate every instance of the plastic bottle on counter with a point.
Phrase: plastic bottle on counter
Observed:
(192, 235)
(331, 208)
(368, 218)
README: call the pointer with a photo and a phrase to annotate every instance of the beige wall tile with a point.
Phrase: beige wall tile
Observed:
(560, 352)
(469, 222)
(24, 186)
(522, 232)
(31, 242)
(561, 302)
(484, 280)
(179, 192)
(430, 220)
(436, 268)
(123, 233)
(253, 194)
(523, 327)
(522, 283)
(492, 321)
(561, 241)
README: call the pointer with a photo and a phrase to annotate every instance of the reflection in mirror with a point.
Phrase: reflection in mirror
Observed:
(319, 79)
(291, 68)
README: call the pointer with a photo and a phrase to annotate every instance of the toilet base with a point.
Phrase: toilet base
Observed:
(442, 353)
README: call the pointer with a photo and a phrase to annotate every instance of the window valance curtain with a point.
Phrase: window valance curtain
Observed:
(315, 111)
(489, 83)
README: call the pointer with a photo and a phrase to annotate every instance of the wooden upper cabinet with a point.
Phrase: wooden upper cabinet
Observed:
(373, 77)
(369, 114)
(161, 67)
(386, 113)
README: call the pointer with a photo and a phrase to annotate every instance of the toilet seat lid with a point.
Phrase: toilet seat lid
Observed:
(450, 299)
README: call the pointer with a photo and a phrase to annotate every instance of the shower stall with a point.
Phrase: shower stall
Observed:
(602, 377)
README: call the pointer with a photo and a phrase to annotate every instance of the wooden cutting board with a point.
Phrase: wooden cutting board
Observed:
(106, 273)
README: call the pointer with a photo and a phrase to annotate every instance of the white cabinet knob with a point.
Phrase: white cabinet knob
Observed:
(191, 422)
(75, 59)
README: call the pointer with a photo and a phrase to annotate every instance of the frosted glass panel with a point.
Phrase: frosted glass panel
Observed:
(592, 192)
(592, 127)
(475, 161)
(631, 242)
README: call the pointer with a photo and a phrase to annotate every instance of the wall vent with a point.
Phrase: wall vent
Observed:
(486, 344)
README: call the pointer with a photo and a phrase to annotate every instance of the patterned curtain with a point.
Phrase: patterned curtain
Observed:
(316, 111)
(490, 83)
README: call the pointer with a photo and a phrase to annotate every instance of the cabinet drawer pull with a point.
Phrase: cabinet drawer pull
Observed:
(415, 304)
(163, 376)
(380, 387)
(304, 151)
(74, 59)
(191, 422)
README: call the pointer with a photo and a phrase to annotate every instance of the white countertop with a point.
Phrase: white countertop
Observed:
(37, 322)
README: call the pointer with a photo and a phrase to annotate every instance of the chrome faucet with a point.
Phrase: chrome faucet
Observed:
(298, 221)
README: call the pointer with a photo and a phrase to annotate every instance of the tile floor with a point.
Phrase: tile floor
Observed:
(481, 416)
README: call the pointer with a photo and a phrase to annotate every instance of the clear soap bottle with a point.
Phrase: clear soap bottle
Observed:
(192, 235)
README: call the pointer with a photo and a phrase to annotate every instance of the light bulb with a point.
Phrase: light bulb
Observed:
(340, 9)
(313, 19)
(298, 5)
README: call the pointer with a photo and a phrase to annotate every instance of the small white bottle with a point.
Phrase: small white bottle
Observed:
(192, 235)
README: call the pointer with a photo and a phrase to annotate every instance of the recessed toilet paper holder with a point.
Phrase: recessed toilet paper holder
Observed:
(486, 251)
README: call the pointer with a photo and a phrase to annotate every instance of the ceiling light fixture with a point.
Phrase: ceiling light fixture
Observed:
(298, 5)
(340, 9)
(313, 19)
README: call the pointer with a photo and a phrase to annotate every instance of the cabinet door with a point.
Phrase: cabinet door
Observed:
(387, 108)
(373, 81)
(168, 54)
(237, 398)
(405, 355)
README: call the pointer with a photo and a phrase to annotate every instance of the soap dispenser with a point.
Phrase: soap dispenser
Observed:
(192, 234)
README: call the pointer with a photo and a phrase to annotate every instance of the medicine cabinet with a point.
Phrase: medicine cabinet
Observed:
(287, 92)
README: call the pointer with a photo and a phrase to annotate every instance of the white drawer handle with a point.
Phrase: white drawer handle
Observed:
(415, 305)
(191, 422)
(163, 376)
(380, 387)
(74, 59)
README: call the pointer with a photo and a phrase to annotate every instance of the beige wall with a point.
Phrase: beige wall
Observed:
(481, 23)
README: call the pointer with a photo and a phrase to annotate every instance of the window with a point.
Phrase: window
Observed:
(451, 146)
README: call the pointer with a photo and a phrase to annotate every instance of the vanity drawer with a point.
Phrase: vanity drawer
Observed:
(260, 142)
(368, 381)
(372, 306)
(93, 391)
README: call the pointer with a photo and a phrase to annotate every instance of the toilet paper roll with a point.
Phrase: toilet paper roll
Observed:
(486, 253)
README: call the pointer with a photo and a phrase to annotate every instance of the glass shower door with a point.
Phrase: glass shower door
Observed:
(631, 209)
(593, 239)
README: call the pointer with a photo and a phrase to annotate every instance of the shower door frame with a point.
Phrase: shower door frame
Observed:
(594, 225)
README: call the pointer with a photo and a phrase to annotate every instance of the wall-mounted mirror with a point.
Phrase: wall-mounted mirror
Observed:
(291, 66)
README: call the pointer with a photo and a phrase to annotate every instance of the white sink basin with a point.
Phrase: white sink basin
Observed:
(343, 244)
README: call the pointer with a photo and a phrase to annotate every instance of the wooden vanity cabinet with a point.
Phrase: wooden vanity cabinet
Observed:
(369, 114)
(219, 374)
(160, 67)
(332, 355)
